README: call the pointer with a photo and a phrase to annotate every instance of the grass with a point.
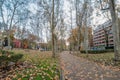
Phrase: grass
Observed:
(44, 66)
(106, 59)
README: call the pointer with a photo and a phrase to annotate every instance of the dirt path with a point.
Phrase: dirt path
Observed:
(76, 68)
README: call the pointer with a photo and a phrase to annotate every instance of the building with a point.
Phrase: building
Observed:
(16, 43)
(103, 36)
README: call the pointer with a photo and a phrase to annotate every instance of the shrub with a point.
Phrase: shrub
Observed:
(7, 57)
(3, 58)
(3, 61)
(3, 52)
(16, 57)
(97, 51)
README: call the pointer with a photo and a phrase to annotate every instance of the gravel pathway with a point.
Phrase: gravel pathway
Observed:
(76, 68)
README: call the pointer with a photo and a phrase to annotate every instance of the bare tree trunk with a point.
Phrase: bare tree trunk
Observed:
(61, 46)
(11, 20)
(1, 10)
(71, 47)
(115, 28)
(55, 44)
(9, 31)
(86, 38)
(79, 17)
(86, 29)
(52, 26)
(79, 31)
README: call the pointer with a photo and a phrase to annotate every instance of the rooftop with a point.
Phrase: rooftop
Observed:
(104, 25)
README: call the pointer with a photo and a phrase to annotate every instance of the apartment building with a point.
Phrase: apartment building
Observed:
(103, 36)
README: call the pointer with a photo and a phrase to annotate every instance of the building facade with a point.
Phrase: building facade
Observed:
(16, 43)
(103, 36)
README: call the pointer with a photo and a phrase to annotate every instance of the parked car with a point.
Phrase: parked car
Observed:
(41, 49)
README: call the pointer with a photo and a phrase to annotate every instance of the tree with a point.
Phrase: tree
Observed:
(51, 13)
(71, 25)
(73, 39)
(36, 25)
(61, 34)
(12, 7)
(80, 10)
(83, 10)
(115, 28)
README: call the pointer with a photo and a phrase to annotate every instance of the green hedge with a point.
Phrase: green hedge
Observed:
(8, 56)
(3, 58)
(3, 52)
(15, 57)
(97, 51)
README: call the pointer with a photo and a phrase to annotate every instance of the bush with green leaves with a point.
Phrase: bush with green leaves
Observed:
(3, 52)
(8, 56)
(15, 57)
(97, 51)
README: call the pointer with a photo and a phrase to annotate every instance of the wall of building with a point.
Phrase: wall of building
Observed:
(100, 34)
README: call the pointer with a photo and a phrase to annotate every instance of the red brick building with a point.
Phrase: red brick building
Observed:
(17, 43)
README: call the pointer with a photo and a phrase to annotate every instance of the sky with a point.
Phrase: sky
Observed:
(33, 8)
(95, 19)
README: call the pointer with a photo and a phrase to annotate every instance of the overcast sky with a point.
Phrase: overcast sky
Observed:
(95, 20)
(97, 17)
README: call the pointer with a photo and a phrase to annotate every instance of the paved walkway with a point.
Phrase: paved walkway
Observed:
(76, 68)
